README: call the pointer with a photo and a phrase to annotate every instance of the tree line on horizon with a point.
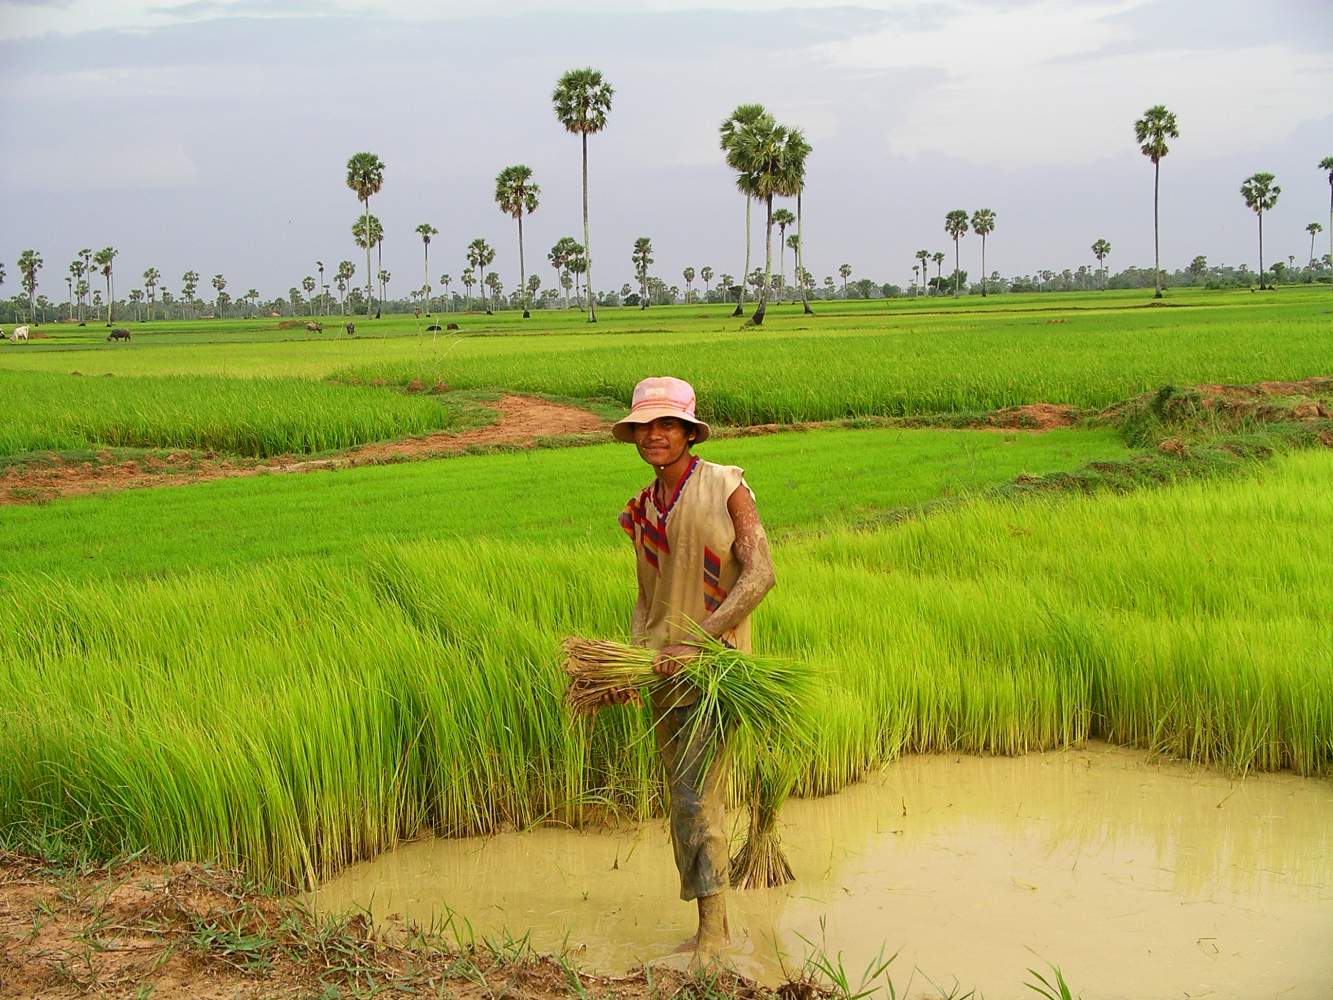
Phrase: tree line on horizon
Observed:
(768, 159)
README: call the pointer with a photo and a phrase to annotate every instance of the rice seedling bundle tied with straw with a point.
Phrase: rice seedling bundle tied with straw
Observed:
(758, 706)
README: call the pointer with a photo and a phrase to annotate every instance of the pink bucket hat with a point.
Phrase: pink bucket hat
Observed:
(661, 396)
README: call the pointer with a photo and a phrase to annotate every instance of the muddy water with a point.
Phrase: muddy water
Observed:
(1138, 878)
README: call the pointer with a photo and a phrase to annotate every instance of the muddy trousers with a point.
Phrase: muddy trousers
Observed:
(698, 835)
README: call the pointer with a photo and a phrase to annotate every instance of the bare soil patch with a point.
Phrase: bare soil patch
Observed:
(183, 931)
(523, 422)
(1035, 417)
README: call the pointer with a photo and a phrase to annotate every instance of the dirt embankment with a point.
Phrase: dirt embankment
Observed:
(522, 423)
(184, 932)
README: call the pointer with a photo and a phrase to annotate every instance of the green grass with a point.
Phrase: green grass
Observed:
(299, 715)
(853, 358)
(545, 498)
(255, 417)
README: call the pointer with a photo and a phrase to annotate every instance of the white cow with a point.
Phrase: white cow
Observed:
(20, 333)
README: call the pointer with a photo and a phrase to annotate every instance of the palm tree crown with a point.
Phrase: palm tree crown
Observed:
(1151, 132)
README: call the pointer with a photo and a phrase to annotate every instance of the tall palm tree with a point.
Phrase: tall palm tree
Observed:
(938, 258)
(782, 218)
(367, 233)
(426, 231)
(772, 164)
(688, 275)
(308, 283)
(445, 281)
(1151, 132)
(479, 254)
(706, 276)
(916, 273)
(983, 223)
(1101, 250)
(189, 282)
(1327, 164)
(955, 224)
(469, 279)
(923, 256)
(516, 193)
(86, 256)
(1260, 194)
(105, 261)
(365, 176)
(30, 262)
(219, 283)
(1314, 229)
(844, 272)
(746, 116)
(582, 100)
(151, 277)
(77, 269)
(382, 276)
(641, 257)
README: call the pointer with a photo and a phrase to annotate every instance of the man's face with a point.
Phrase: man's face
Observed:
(663, 441)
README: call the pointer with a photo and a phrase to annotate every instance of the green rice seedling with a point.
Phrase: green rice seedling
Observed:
(253, 417)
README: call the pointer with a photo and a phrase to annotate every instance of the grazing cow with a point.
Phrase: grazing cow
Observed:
(451, 326)
(313, 327)
(20, 333)
(433, 328)
(351, 329)
(119, 333)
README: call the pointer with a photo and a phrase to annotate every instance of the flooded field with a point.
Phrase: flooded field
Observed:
(1137, 877)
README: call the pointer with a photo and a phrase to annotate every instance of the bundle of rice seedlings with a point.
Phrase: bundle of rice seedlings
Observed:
(761, 705)
(761, 863)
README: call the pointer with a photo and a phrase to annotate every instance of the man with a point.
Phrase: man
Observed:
(702, 561)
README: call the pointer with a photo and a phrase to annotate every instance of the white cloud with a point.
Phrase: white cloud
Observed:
(1057, 83)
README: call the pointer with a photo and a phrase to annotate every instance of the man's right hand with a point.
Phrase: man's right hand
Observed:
(622, 696)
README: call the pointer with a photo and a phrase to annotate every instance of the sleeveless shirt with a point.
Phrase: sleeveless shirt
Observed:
(685, 553)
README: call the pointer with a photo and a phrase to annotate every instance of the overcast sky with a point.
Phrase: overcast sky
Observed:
(213, 134)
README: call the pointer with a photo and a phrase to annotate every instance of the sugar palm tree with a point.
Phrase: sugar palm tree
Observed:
(706, 276)
(844, 272)
(1327, 164)
(938, 258)
(1260, 194)
(77, 269)
(582, 101)
(798, 149)
(365, 176)
(189, 283)
(1314, 229)
(30, 262)
(688, 275)
(923, 256)
(1151, 132)
(771, 161)
(641, 257)
(426, 231)
(445, 281)
(916, 273)
(308, 283)
(382, 276)
(955, 224)
(516, 193)
(1101, 250)
(745, 117)
(493, 282)
(105, 261)
(469, 279)
(983, 223)
(151, 277)
(479, 254)
(85, 255)
(782, 218)
(219, 283)
(323, 289)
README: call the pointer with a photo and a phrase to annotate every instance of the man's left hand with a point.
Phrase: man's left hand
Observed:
(671, 658)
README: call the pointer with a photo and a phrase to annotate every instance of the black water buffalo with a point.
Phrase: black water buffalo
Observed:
(119, 333)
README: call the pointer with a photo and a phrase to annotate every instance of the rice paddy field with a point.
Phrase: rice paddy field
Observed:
(294, 673)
